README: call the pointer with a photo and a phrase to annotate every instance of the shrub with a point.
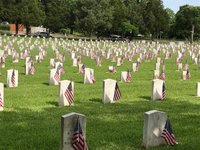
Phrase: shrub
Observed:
(4, 27)
(65, 31)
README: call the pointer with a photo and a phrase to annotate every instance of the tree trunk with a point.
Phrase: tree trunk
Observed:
(71, 30)
(27, 29)
(192, 34)
(16, 27)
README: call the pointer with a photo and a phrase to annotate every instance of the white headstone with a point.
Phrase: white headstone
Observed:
(154, 122)
(108, 90)
(157, 92)
(12, 78)
(2, 104)
(89, 76)
(53, 78)
(73, 55)
(68, 123)
(159, 60)
(52, 62)
(157, 66)
(156, 74)
(180, 66)
(198, 89)
(118, 61)
(184, 75)
(75, 62)
(111, 69)
(66, 93)
(135, 67)
(124, 76)
(27, 65)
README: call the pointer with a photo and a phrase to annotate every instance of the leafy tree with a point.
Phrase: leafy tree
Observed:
(55, 14)
(119, 16)
(104, 15)
(86, 17)
(187, 17)
(32, 14)
(156, 18)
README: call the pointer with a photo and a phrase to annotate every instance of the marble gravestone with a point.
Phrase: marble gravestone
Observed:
(28, 65)
(52, 62)
(57, 64)
(53, 78)
(1, 96)
(89, 76)
(184, 75)
(111, 69)
(68, 123)
(158, 60)
(80, 68)
(135, 67)
(198, 89)
(12, 78)
(75, 62)
(124, 76)
(66, 93)
(179, 66)
(154, 123)
(157, 92)
(156, 74)
(108, 90)
(73, 55)
(157, 66)
(119, 62)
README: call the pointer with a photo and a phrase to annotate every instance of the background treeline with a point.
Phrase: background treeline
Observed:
(104, 17)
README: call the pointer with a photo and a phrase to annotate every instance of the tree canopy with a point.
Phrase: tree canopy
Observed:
(104, 17)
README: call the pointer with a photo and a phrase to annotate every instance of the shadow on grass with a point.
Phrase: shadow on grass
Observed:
(22, 73)
(97, 100)
(45, 83)
(53, 103)
(145, 97)
(81, 82)
(108, 126)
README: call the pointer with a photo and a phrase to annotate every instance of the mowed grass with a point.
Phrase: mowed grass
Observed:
(32, 118)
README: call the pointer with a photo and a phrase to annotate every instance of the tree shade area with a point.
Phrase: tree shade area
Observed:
(128, 18)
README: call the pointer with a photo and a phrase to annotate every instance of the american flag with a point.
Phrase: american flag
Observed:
(188, 74)
(137, 65)
(78, 140)
(69, 94)
(82, 70)
(117, 93)
(163, 91)
(14, 56)
(99, 61)
(128, 76)
(30, 59)
(168, 135)
(162, 76)
(186, 65)
(1, 101)
(13, 77)
(1, 61)
(92, 77)
(32, 69)
(60, 68)
(57, 75)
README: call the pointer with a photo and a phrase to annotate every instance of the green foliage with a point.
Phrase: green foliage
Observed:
(65, 31)
(4, 27)
(2, 32)
(185, 18)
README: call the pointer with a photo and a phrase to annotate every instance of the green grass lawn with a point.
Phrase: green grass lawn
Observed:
(32, 118)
